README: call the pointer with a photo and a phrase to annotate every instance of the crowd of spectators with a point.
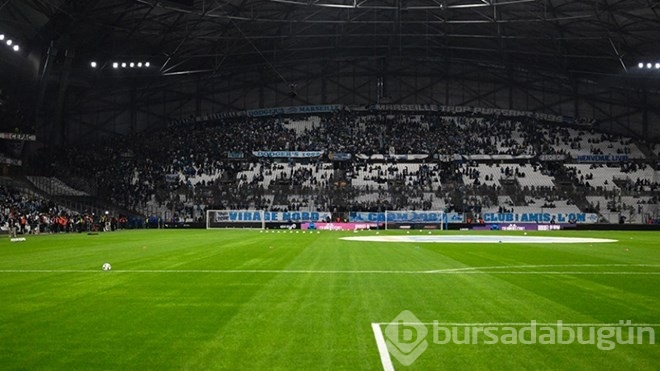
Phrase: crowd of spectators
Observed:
(186, 168)
(21, 213)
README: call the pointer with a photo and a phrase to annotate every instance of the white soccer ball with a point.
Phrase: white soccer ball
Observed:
(106, 266)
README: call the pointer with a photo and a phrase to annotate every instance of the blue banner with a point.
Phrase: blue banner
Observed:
(540, 217)
(254, 216)
(295, 154)
(406, 217)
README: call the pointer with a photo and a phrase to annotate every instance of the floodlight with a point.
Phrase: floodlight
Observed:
(2, 37)
(123, 65)
(9, 42)
(657, 66)
(132, 64)
(139, 65)
(16, 48)
(147, 64)
(115, 65)
(640, 65)
(93, 64)
(649, 65)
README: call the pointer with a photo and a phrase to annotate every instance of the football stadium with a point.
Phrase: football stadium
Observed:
(329, 185)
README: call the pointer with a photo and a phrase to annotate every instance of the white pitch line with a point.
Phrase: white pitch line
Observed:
(552, 273)
(385, 359)
(477, 239)
(461, 270)
(270, 271)
(516, 324)
(540, 266)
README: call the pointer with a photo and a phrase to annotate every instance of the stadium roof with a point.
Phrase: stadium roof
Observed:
(209, 36)
(563, 57)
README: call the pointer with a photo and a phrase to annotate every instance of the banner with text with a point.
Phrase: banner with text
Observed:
(255, 216)
(541, 217)
(481, 110)
(549, 157)
(520, 227)
(602, 158)
(328, 108)
(19, 136)
(294, 154)
(406, 217)
(293, 110)
(393, 156)
(339, 226)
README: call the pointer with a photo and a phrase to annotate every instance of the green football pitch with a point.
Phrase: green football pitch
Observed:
(246, 299)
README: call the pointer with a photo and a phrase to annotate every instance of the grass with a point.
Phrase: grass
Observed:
(175, 301)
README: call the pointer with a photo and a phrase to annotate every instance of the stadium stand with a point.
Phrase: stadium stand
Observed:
(54, 186)
(464, 163)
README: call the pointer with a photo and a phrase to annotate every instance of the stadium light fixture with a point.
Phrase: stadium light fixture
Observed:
(16, 48)
(116, 64)
(9, 42)
(648, 65)
(2, 36)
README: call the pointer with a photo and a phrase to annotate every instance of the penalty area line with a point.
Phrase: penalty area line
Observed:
(385, 359)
